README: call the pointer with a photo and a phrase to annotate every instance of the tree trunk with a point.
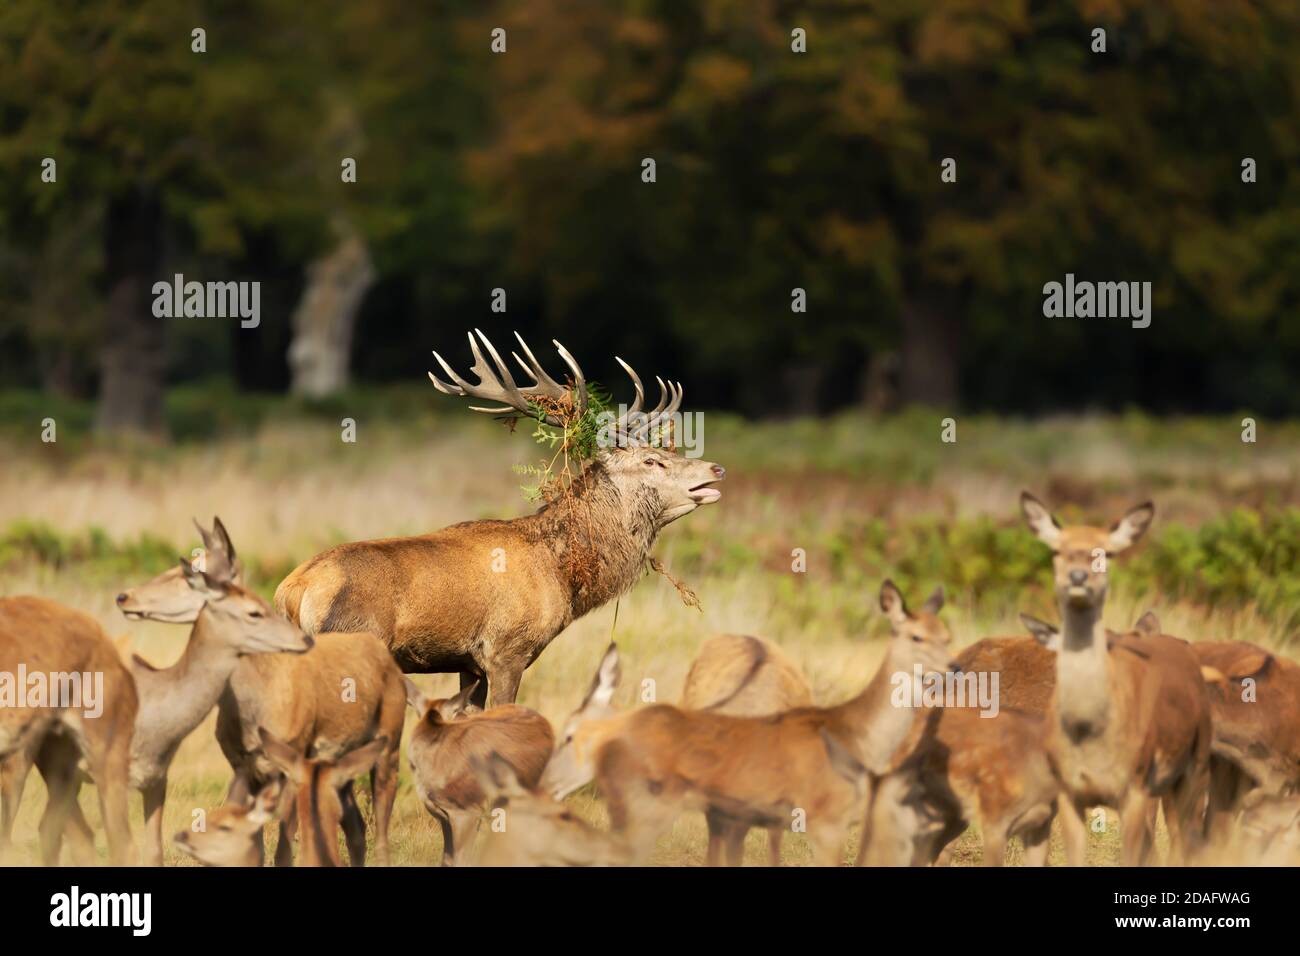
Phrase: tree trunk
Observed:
(326, 315)
(930, 347)
(133, 353)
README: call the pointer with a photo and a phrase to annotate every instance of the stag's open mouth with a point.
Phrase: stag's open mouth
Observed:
(703, 494)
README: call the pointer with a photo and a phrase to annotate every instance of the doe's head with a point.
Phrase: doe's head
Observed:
(573, 764)
(168, 598)
(1081, 552)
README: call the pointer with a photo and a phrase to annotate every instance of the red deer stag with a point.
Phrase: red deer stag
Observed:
(485, 598)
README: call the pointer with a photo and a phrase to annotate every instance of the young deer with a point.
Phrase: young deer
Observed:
(232, 834)
(538, 831)
(654, 762)
(1255, 711)
(47, 638)
(485, 598)
(231, 622)
(343, 693)
(1128, 723)
(323, 797)
(747, 677)
(443, 746)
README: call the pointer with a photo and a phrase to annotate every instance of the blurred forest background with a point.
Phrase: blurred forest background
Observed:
(775, 170)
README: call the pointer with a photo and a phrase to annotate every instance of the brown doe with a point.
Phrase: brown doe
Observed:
(747, 677)
(341, 694)
(485, 598)
(654, 762)
(42, 637)
(446, 742)
(1129, 722)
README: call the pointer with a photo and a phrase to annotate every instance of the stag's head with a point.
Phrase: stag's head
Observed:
(635, 448)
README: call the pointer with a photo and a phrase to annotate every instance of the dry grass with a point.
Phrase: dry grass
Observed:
(288, 491)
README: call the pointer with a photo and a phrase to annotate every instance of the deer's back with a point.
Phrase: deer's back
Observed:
(432, 597)
(47, 637)
(744, 676)
(344, 692)
(1027, 670)
(757, 764)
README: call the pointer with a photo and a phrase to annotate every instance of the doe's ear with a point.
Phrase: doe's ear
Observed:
(1129, 528)
(414, 696)
(606, 680)
(934, 602)
(223, 541)
(457, 706)
(1148, 625)
(499, 779)
(291, 763)
(200, 581)
(1040, 520)
(1046, 634)
(356, 762)
(892, 603)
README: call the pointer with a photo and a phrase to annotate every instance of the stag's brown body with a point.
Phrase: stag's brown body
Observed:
(49, 638)
(485, 598)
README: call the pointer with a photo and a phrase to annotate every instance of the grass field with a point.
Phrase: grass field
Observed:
(864, 498)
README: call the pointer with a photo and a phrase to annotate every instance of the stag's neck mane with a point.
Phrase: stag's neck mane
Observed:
(600, 536)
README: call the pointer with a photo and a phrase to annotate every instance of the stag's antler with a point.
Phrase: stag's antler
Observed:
(498, 385)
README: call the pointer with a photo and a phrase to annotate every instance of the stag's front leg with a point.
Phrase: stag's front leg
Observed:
(13, 778)
(155, 795)
(504, 684)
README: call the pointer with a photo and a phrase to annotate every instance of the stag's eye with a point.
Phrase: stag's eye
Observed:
(648, 462)
(255, 613)
(917, 638)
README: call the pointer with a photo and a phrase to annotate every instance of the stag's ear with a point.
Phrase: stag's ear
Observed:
(1148, 625)
(1040, 520)
(934, 602)
(1130, 527)
(201, 581)
(287, 760)
(1046, 634)
(357, 762)
(606, 680)
(892, 603)
(414, 696)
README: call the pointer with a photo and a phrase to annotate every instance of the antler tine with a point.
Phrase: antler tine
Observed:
(545, 385)
(457, 389)
(636, 383)
(579, 381)
(498, 384)
(665, 413)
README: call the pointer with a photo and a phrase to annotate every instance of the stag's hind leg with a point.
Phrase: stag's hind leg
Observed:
(354, 826)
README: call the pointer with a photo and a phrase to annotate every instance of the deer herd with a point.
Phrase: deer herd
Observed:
(312, 693)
